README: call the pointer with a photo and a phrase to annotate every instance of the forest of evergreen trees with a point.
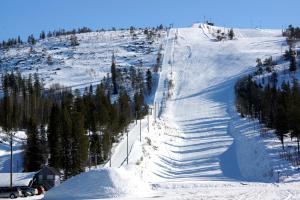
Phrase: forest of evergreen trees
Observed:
(292, 32)
(66, 129)
(277, 108)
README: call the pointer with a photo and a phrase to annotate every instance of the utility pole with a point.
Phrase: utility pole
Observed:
(148, 122)
(136, 117)
(140, 130)
(127, 147)
(154, 112)
(11, 160)
(110, 151)
(90, 157)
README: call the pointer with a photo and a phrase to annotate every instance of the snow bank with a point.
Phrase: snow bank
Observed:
(19, 179)
(101, 183)
(253, 159)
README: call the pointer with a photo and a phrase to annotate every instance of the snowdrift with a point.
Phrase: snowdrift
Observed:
(19, 179)
(101, 183)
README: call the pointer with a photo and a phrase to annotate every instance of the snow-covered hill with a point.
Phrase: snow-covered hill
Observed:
(77, 66)
(198, 147)
(59, 62)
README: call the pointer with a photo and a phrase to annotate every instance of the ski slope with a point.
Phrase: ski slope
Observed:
(198, 147)
(204, 72)
(203, 143)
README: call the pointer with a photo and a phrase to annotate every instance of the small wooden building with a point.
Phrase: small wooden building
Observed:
(47, 177)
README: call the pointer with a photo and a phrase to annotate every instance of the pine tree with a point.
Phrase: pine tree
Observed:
(149, 81)
(42, 35)
(106, 144)
(49, 34)
(66, 136)
(79, 144)
(281, 116)
(295, 125)
(44, 144)
(293, 64)
(31, 40)
(124, 109)
(74, 40)
(133, 77)
(33, 154)
(54, 138)
(95, 149)
(114, 75)
(140, 79)
(231, 34)
(102, 107)
(139, 105)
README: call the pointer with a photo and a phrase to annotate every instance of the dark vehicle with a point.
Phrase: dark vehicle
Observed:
(27, 191)
(8, 192)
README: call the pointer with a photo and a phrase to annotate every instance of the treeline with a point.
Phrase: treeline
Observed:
(13, 42)
(292, 32)
(67, 130)
(277, 108)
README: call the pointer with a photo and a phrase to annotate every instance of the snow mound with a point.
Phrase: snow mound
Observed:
(19, 179)
(101, 183)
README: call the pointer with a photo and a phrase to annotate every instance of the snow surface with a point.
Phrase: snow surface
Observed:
(106, 182)
(19, 179)
(198, 147)
(87, 63)
(19, 139)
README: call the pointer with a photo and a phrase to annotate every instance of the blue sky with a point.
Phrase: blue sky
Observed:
(23, 17)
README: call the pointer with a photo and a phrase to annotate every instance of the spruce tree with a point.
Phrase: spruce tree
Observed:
(66, 136)
(95, 149)
(54, 138)
(42, 35)
(102, 104)
(139, 104)
(74, 40)
(33, 154)
(149, 81)
(79, 144)
(293, 64)
(124, 109)
(230, 34)
(114, 75)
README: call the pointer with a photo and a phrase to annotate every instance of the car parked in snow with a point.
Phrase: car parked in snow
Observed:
(12, 193)
(28, 191)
